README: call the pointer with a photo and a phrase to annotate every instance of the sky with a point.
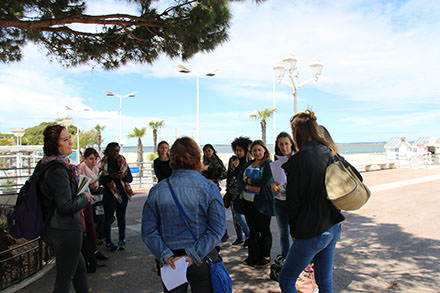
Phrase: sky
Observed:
(380, 78)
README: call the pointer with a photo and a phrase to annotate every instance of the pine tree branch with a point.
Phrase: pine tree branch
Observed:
(115, 19)
(177, 6)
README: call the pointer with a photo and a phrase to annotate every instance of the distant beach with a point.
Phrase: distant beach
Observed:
(344, 148)
(358, 154)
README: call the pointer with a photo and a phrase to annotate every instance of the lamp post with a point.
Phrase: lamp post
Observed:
(289, 64)
(183, 69)
(78, 155)
(131, 95)
(18, 133)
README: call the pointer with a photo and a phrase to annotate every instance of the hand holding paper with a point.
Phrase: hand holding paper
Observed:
(83, 183)
(173, 278)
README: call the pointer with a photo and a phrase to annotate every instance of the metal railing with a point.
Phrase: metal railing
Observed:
(23, 261)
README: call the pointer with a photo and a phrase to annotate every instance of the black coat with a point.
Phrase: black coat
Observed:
(58, 189)
(310, 212)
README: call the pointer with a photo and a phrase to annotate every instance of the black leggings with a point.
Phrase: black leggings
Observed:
(260, 237)
(70, 265)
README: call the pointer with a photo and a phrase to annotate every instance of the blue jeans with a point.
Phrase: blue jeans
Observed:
(240, 224)
(320, 249)
(283, 225)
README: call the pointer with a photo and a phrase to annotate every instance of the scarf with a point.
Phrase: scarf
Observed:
(63, 160)
(123, 166)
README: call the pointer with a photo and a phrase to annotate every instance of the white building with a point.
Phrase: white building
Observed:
(398, 148)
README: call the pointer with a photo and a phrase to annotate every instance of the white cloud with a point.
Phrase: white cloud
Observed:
(377, 55)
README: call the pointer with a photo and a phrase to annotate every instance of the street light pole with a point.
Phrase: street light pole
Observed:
(131, 95)
(289, 65)
(274, 106)
(78, 154)
(183, 69)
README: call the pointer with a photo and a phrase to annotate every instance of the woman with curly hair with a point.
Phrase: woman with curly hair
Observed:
(240, 146)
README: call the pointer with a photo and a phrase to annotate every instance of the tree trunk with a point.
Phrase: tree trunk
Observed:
(263, 131)
(155, 139)
(99, 142)
(140, 151)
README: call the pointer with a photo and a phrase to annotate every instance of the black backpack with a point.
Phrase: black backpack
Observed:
(276, 266)
(26, 220)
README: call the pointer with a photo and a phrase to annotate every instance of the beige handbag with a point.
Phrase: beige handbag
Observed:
(344, 188)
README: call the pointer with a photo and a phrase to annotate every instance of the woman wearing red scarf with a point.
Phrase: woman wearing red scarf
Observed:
(115, 178)
(62, 205)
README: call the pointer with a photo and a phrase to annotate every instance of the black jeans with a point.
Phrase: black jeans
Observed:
(260, 237)
(70, 265)
(110, 206)
(198, 276)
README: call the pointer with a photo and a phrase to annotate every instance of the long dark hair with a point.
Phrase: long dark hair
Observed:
(161, 143)
(109, 147)
(326, 135)
(282, 135)
(304, 128)
(214, 155)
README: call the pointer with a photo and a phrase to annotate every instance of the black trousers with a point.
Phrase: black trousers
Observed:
(260, 237)
(198, 276)
(70, 265)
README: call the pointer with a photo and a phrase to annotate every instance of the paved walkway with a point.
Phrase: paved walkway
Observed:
(393, 242)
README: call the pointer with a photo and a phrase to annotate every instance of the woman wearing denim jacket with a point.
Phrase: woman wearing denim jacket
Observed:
(258, 204)
(165, 232)
(314, 221)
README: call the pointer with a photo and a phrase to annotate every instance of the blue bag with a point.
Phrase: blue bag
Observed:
(221, 282)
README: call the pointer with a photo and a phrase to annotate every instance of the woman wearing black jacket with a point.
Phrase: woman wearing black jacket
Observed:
(314, 221)
(240, 146)
(62, 210)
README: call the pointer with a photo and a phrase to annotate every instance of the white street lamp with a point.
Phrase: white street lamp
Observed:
(183, 69)
(131, 95)
(289, 64)
(18, 133)
(78, 155)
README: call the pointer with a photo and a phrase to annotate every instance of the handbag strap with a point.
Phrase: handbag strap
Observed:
(179, 207)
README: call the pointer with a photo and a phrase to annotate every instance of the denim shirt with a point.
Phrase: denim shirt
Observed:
(163, 228)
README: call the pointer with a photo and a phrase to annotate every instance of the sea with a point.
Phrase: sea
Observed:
(344, 148)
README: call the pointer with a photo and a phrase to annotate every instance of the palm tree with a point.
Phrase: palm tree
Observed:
(155, 125)
(139, 133)
(262, 116)
(98, 129)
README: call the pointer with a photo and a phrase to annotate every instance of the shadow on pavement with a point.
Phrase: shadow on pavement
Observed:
(377, 257)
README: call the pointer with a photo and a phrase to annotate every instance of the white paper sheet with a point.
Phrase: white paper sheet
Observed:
(278, 174)
(174, 278)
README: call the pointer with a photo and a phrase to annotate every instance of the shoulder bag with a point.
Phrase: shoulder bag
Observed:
(344, 189)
